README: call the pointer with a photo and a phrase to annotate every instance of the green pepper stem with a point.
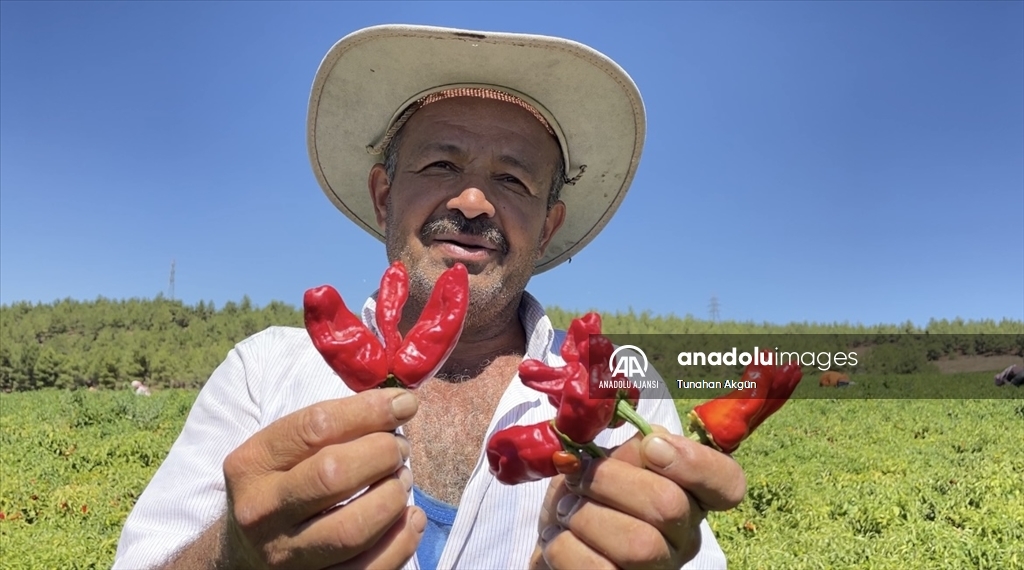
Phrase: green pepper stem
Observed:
(625, 411)
(391, 382)
(696, 431)
(594, 450)
(576, 448)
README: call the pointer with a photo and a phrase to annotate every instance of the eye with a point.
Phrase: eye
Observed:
(442, 164)
(508, 178)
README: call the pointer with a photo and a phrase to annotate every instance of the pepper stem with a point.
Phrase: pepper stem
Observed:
(699, 436)
(594, 450)
(576, 448)
(625, 411)
(697, 432)
(392, 381)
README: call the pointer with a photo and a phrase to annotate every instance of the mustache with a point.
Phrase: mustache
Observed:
(457, 223)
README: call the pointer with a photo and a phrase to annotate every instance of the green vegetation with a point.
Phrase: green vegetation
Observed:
(844, 482)
(831, 484)
(72, 465)
(108, 344)
(881, 484)
(168, 344)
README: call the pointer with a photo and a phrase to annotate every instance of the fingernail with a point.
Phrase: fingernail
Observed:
(550, 533)
(566, 504)
(574, 479)
(418, 520)
(659, 452)
(404, 406)
(404, 448)
(405, 476)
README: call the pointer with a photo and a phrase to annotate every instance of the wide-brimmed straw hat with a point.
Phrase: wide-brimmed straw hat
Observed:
(370, 78)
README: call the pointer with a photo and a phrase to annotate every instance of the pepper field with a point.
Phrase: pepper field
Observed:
(831, 483)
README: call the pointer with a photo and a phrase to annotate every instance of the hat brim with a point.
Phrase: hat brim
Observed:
(369, 76)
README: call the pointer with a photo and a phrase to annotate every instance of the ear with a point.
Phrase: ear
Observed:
(553, 221)
(379, 187)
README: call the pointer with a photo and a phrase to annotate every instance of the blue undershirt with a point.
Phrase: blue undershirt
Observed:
(440, 518)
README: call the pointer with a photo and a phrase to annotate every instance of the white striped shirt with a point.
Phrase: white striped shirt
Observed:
(278, 371)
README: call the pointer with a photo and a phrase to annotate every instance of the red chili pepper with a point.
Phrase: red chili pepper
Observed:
(595, 350)
(391, 298)
(784, 382)
(520, 454)
(433, 338)
(543, 378)
(576, 346)
(599, 352)
(581, 416)
(575, 349)
(359, 357)
(589, 402)
(349, 348)
(726, 421)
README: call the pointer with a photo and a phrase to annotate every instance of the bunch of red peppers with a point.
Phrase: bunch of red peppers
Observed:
(364, 361)
(520, 454)
(585, 406)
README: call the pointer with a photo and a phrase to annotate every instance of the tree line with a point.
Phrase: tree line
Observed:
(166, 343)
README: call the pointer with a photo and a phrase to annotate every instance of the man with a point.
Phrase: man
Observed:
(450, 146)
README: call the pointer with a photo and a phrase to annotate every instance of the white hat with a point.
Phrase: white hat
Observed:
(371, 76)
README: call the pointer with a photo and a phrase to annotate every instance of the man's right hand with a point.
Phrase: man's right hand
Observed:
(283, 482)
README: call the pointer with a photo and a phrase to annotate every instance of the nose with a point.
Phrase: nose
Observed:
(472, 202)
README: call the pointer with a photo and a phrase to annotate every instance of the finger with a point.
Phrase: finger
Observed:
(347, 531)
(629, 451)
(626, 541)
(336, 473)
(640, 495)
(299, 435)
(556, 490)
(563, 550)
(714, 478)
(396, 546)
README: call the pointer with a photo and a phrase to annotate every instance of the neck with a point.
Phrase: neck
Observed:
(486, 336)
(475, 353)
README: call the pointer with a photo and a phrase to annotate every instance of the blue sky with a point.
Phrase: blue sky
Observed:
(828, 162)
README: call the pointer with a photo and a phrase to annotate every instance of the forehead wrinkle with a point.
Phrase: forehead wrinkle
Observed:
(515, 162)
(443, 147)
(517, 128)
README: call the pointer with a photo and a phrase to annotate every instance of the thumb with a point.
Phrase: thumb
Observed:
(713, 478)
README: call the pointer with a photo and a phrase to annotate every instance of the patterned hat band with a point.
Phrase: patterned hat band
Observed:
(480, 92)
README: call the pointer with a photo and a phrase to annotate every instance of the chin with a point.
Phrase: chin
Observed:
(474, 269)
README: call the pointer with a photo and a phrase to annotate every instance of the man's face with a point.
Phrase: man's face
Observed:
(471, 185)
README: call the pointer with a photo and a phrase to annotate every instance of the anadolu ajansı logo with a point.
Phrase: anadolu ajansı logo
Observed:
(629, 364)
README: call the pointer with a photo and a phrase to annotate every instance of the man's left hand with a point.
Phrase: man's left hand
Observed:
(641, 507)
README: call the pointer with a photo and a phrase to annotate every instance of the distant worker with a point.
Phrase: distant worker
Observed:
(1013, 374)
(832, 379)
(140, 388)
